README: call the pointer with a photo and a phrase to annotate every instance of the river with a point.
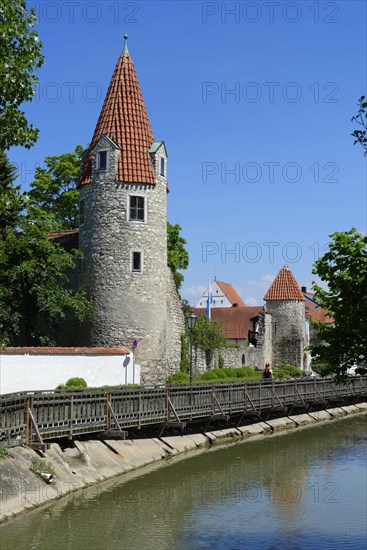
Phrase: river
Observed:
(301, 490)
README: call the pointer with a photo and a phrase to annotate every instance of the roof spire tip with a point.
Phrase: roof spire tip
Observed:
(125, 50)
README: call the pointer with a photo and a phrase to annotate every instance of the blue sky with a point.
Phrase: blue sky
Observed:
(254, 101)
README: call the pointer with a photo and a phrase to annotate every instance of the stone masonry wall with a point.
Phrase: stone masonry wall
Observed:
(156, 373)
(129, 305)
(263, 353)
(288, 334)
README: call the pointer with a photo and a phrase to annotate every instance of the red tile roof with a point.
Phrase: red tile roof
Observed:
(284, 287)
(124, 119)
(231, 293)
(236, 321)
(314, 311)
(63, 351)
(68, 239)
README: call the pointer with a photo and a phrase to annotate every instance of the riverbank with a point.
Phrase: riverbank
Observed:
(26, 475)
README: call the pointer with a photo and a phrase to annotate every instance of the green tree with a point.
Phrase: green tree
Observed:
(344, 269)
(54, 189)
(11, 201)
(34, 293)
(361, 119)
(185, 353)
(20, 56)
(208, 336)
(178, 257)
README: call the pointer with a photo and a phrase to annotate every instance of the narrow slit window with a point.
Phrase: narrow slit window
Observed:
(162, 166)
(137, 209)
(82, 212)
(137, 262)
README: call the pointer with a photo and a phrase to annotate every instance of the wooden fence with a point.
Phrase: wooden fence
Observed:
(33, 417)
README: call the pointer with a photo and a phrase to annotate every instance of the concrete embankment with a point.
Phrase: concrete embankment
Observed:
(25, 474)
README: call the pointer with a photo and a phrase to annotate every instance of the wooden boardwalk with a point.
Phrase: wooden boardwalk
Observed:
(35, 417)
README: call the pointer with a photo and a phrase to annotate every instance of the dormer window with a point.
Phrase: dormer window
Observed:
(163, 166)
(102, 160)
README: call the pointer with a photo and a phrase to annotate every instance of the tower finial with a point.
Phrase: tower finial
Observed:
(125, 50)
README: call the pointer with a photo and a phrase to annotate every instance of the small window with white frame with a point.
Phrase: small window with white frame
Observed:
(137, 262)
(102, 160)
(137, 208)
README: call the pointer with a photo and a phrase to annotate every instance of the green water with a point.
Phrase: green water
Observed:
(302, 490)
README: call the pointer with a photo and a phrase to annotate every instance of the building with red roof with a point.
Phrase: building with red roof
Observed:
(278, 331)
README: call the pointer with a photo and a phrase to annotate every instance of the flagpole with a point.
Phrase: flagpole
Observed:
(209, 297)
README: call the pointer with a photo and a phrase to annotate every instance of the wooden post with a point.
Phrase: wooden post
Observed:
(108, 411)
(28, 421)
(71, 417)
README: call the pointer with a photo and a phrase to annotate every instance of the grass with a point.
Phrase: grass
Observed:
(4, 453)
(39, 466)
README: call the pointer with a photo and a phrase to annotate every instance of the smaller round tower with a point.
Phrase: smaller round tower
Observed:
(286, 303)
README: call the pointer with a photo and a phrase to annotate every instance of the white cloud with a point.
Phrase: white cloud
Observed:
(263, 282)
(267, 278)
(192, 293)
(251, 301)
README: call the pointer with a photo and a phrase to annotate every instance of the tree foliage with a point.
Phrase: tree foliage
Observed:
(20, 56)
(34, 293)
(54, 189)
(208, 334)
(178, 257)
(360, 135)
(344, 269)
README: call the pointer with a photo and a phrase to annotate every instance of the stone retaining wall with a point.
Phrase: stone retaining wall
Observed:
(91, 462)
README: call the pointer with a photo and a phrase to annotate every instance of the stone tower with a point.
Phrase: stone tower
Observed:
(123, 233)
(286, 303)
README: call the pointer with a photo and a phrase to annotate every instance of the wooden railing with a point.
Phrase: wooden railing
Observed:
(33, 417)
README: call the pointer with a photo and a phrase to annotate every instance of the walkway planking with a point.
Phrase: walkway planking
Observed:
(33, 417)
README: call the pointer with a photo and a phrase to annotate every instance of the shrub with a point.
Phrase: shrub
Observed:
(220, 361)
(178, 378)
(291, 370)
(73, 383)
(236, 346)
(220, 373)
(278, 373)
(209, 375)
(245, 372)
(230, 373)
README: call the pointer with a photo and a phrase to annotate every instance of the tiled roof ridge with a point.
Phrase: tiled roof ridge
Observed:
(63, 351)
(62, 233)
(284, 287)
(124, 119)
(231, 293)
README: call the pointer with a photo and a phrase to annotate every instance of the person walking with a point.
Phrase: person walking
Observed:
(267, 373)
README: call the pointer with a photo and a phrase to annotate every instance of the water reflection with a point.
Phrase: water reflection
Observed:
(301, 490)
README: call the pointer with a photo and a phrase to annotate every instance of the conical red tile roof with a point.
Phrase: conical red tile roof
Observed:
(284, 287)
(124, 119)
